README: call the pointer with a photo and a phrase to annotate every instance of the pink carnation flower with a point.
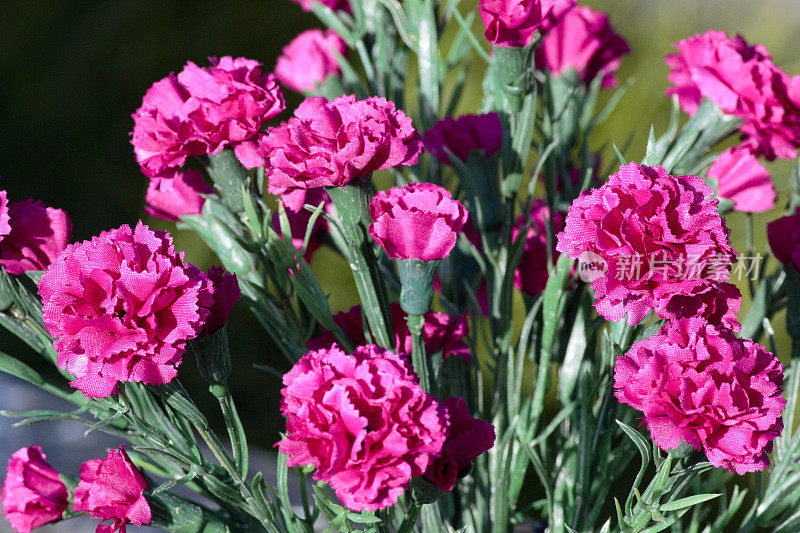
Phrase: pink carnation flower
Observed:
(701, 384)
(467, 438)
(179, 194)
(513, 23)
(743, 81)
(5, 227)
(38, 234)
(202, 111)
(308, 59)
(329, 144)
(416, 221)
(111, 489)
(440, 333)
(583, 40)
(784, 239)
(121, 308)
(716, 302)
(336, 5)
(33, 494)
(470, 133)
(743, 180)
(657, 233)
(363, 421)
(532, 274)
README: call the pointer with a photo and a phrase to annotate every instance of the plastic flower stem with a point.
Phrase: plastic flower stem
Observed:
(229, 177)
(410, 519)
(234, 425)
(418, 357)
(351, 202)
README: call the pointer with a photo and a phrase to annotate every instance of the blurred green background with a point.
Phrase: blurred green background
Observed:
(72, 72)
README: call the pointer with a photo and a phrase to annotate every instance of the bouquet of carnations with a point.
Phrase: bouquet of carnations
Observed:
(547, 340)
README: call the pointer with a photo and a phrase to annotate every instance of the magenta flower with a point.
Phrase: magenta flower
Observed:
(111, 489)
(336, 5)
(470, 133)
(329, 144)
(33, 494)
(743, 180)
(202, 111)
(38, 234)
(658, 235)
(743, 81)
(784, 239)
(699, 383)
(467, 438)
(513, 23)
(583, 40)
(298, 222)
(532, 274)
(5, 227)
(121, 308)
(225, 293)
(440, 333)
(308, 59)
(180, 194)
(417, 221)
(716, 302)
(363, 421)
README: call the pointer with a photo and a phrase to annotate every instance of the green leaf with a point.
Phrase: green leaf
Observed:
(18, 369)
(687, 502)
(644, 452)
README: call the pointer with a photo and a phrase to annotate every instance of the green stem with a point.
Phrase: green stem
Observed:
(235, 428)
(229, 177)
(407, 526)
(418, 357)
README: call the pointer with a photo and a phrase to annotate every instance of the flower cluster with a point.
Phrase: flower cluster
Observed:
(440, 332)
(329, 144)
(363, 421)
(466, 134)
(583, 41)
(122, 306)
(308, 59)
(699, 383)
(416, 221)
(201, 111)
(514, 23)
(743, 81)
(644, 210)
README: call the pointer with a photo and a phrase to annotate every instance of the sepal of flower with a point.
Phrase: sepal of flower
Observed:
(33, 494)
(699, 383)
(363, 421)
(112, 489)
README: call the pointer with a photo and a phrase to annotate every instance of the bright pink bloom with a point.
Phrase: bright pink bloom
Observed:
(417, 221)
(202, 111)
(583, 40)
(225, 292)
(122, 307)
(743, 81)
(329, 144)
(478, 133)
(532, 274)
(743, 180)
(298, 222)
(111, 489)
(179, 194)
(716, 302)
(33, 494)
(38, 234)
(336, 5)
(657, 233)
(5, 227)
(784, 239)
(363, 421)
(701, 384)
(513, 23)
(440, 333)
(308, 59)
(467, 438)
